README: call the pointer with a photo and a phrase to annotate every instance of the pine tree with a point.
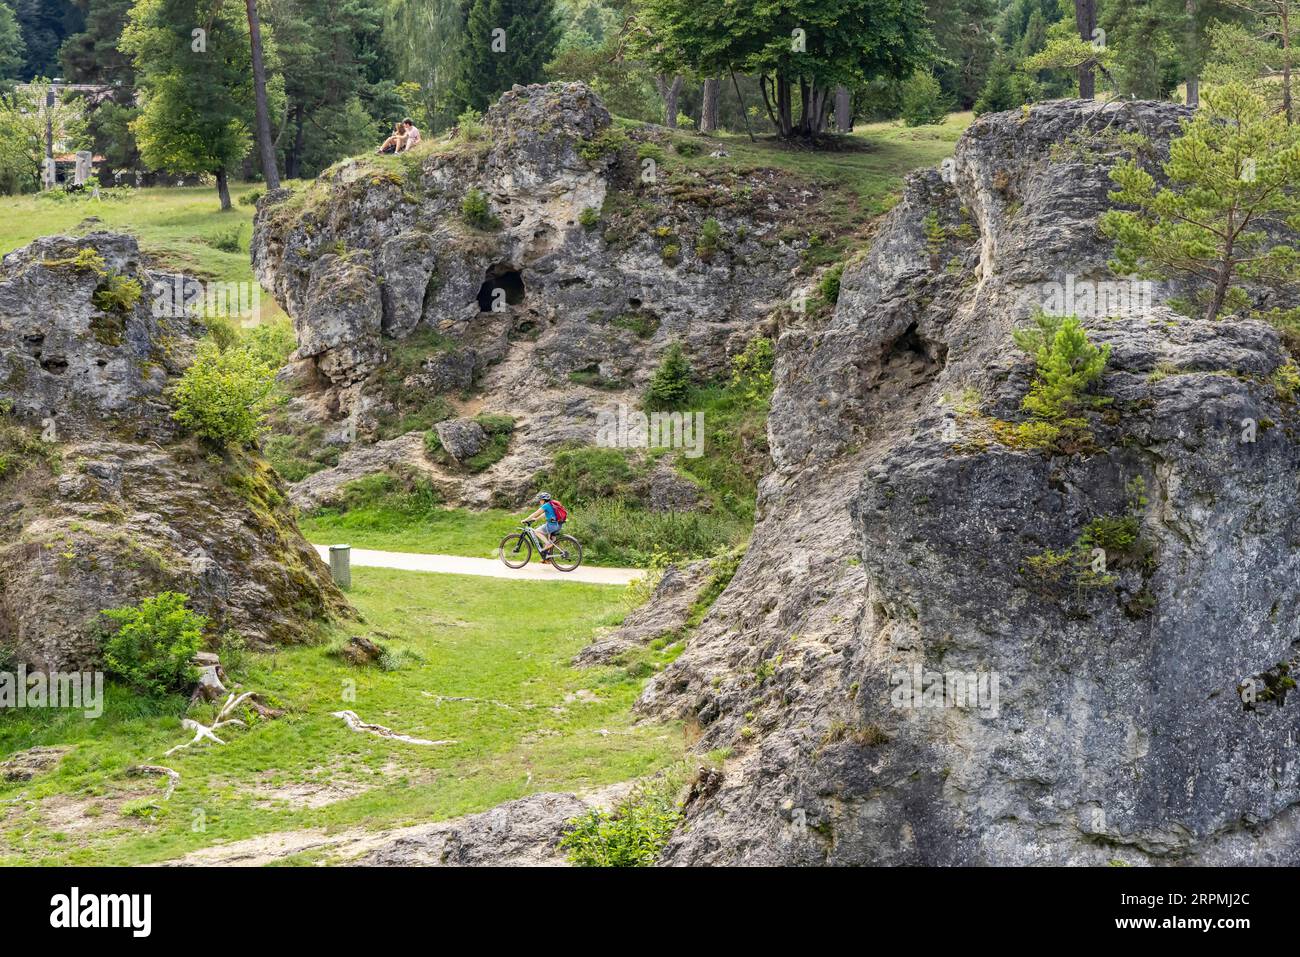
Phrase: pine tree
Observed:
(671, 383)
(13, 52)
(506, 42)
(1232, 177)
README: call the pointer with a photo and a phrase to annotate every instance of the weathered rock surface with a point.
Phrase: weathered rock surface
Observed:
(103, 502)
(664, 614)
(522, 833)
(546, 315)
(461, 438)
(898, 535)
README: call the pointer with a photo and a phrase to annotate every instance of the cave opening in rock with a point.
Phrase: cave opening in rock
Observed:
(505, 278)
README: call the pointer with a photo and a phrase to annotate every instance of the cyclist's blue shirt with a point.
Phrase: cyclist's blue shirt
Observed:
(549, 510)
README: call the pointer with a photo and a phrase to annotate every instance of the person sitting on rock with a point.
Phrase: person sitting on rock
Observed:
(394, 143)
(412, 135)
(552, 527)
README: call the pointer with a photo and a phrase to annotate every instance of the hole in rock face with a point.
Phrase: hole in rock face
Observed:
(55, 365)
(501, 277)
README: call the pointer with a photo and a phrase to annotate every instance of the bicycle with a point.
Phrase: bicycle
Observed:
(516, 549)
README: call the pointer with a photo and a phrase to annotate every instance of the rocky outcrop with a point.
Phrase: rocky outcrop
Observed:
(102, 501)
(663, 615)
(920, 660)
(554, 300)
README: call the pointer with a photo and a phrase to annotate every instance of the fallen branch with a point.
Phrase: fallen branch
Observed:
(356, 724)
(173, 777)
(223, 719)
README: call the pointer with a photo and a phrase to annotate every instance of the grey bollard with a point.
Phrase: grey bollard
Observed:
(341, 565)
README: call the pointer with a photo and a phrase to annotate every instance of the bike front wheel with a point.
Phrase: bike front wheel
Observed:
(567, 553)
(515, 550)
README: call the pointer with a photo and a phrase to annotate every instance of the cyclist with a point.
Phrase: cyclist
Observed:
(552, 527)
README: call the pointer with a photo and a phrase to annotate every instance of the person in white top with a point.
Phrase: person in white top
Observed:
(412, 134)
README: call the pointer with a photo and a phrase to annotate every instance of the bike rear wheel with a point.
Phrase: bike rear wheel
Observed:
(567, 553)
(515, 550)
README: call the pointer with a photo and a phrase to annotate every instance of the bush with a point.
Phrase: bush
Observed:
(1067, 364)
(710, 239)
(271, 343)
(923, 102)
(404, 492)
(117, 294)
(589, 217)
(250, 198)
(469, 125)
(474, 210)
(633, 835)
(585, 476)
(828, 287)
(154, 643)
(751, 371)
(223, 396)
(671, 383)
(229, 240)
(620, 533)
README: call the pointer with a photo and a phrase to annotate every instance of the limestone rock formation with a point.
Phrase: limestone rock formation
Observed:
(552, 299)
(102, 501)
(906, 555)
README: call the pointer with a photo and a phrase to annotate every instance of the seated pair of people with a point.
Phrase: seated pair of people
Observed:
(405, 136)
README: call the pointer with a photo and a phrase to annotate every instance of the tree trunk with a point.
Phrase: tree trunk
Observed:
(269, 171)
(669, 92)
(843, 110)
(1085, 18)
(709, 108)
(1193, 74)
(223, 188)
(293, 162)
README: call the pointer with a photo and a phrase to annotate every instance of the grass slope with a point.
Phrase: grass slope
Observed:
(506, 644)
(176, 227)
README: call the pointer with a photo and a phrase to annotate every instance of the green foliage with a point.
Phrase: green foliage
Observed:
(1066, 365)
(828, 287)
(710, 239)
(531, 33)
(671, 383)
(470, 125)
(271, 342)
(229, 240)
(751, 371)
(589, 217)
(403, 491)
(923, 101)
(584, 476)
(22, 132)
(1233, 169)
(475, 212)
(117, 294)
(154, 643)
(605, 143)
(1005, 88)
(846, 44)
(197, 106)
(632, 835)
(223, 396)
(249, 199)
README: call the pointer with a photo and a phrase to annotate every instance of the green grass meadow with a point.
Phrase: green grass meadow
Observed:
(536, 724)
